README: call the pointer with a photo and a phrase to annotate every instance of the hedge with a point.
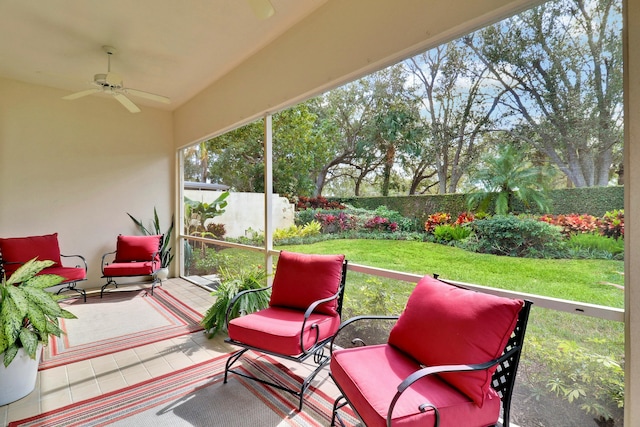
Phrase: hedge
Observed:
(590, 200)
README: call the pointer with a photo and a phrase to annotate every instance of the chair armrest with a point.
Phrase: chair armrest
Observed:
(355, 319)
(104, 260)
(84, 261)
(431, 370)
(239, 295)
(308, 312)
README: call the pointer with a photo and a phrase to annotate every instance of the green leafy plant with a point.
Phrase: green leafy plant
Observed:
(612, 224)
(233, 283)
(202, 211)
(596, 243)
(591, 380)
(165, 250)
(28, 313)
(450, 233)
(519, 237)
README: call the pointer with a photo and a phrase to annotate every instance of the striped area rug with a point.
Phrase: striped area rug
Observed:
(196, 396)
(99, 329)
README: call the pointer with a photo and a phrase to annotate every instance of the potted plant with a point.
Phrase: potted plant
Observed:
(252, 277)
(28, 315)
(165, 250)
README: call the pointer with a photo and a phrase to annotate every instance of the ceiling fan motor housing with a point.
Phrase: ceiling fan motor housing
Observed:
(108, 81)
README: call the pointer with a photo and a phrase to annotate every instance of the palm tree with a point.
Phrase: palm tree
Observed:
(507, 176)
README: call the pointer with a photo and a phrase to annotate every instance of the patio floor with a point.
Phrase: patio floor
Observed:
(64, 385)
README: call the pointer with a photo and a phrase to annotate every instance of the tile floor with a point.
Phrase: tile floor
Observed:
(63, 385)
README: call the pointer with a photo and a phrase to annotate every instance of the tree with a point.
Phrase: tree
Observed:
(458, 108)
(505, 176)
(561, 64)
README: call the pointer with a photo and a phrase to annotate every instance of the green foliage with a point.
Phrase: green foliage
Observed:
(595, 201)
(379, 299)
(312, 228)
(450, 233)
(232, 283)
(520, 237)
(572, 372)
(595, 244)
(612, 224)
(202, 211)
(165, 250)
(506, 177)
(28, 313)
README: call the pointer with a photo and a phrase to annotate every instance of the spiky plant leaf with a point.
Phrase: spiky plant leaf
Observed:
(29, 341)
(12, 320)
(28, 270)
(67, 315)
(36, 317)
(44, 301)
(10, 354)
(43, 281)
(19, 298)
(4, 343)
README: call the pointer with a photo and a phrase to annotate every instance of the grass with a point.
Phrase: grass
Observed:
(577, 280)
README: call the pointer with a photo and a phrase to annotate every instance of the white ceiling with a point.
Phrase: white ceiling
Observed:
(171, 48)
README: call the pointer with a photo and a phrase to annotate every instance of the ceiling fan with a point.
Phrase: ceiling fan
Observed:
(111, 83)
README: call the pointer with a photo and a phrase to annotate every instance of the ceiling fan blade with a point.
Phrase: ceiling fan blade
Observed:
(263, 9)
(133, 108)
(147, 95)
(80, 94)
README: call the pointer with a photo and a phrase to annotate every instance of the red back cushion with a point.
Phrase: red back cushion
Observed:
(22, 249)
(137, 248)
(446, 325)
(301, 279)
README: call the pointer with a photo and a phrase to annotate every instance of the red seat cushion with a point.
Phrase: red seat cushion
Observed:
(301, 279)
(278, 329)
(70, 274)
(137, 248)
(120, 269)
(445, 325)
(22, 249)
(369, 376)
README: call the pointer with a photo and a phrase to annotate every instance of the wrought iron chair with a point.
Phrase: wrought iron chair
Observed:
(134, 256)
(302, 316)
(450, 360)
(15, 251)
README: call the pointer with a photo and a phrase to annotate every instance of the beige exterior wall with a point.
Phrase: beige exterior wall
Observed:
(77, 168)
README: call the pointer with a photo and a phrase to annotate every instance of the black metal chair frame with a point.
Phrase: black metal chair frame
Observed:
(502, 381)
(70, 285)
(317, 350)
(111, 280)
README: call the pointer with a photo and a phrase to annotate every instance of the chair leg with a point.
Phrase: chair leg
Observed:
(110, 281)
(72, 287)
(336, 406)
(319, 358)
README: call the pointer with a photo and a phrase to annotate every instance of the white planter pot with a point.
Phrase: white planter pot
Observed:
(19, 378)
(163, 274)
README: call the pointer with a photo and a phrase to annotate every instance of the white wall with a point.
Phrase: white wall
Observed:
(246, 210)
(77, 167)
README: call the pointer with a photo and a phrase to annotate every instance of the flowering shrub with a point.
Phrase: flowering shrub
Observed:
(438, 218)
(572, 223)
(612, 224)
(316, 203)
(336, 223)
(379, 223)
(464, 218)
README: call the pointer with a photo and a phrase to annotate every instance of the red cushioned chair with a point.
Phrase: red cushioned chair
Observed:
(302, 317)
(15, 251)
(134, 256)
(450, 360)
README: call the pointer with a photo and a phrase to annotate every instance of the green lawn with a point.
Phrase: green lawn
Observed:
(578, 280)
